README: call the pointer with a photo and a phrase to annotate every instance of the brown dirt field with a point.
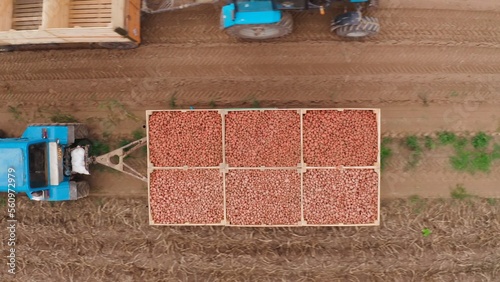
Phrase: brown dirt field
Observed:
(435, 66)
(110, 240)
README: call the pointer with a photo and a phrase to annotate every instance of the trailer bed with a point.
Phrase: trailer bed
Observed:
(264, 167)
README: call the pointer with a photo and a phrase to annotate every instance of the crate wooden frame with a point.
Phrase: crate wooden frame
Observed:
(301, 167)
(54, 23)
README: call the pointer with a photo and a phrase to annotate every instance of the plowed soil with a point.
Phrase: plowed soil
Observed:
(435, 66)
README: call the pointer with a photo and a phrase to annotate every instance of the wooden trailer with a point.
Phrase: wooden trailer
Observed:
(108, 23)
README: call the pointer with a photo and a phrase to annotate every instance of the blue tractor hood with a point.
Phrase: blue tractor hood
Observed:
(12, 158)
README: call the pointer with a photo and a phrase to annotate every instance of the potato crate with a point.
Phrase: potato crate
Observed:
(110, 23)
(278, 167)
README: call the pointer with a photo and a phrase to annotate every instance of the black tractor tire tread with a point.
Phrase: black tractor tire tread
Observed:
(369, 24)
(82, 189)
(285, 25)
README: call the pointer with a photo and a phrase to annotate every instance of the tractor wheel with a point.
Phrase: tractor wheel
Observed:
(368, 26)
(82, 189)
(263, 31)
(118, 45)
(81, 131)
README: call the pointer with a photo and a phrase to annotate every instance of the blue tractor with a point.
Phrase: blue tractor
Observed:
(39, 162)
(266, 19)
(50, 162)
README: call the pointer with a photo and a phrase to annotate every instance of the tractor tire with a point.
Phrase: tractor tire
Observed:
(368, 26)
(118, 45)
(82, 189)
(263, 31)
(81, 130)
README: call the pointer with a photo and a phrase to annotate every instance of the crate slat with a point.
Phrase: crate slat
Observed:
(27, 14)
(90, 13)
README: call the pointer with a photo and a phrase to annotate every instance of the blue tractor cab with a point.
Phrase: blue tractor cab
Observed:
(266, 19)
(38, 163)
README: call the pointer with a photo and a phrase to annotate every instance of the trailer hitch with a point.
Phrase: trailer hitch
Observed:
(121, 154)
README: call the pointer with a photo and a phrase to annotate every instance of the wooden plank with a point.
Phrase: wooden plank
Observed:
(27, 19)
(71, 32)
(25, 2)
(91, 7)
(30, 14)
(27, 14)
(91, 20)
(134, 20)
(90, 25)
(87, 15)
(101, 18)
(82, 2)
(86, 12)
(52, 36)
(118, 13)
(55, 14)
(28, 7)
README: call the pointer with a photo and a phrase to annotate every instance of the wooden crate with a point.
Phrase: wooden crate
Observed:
(69, 21)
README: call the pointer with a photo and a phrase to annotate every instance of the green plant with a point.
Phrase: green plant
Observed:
(173, 101)
(63, 118)
(123, 142)
(98, 148)
(471, 161)
(415, 199)
(385, 152)
(495, 154)
(426, 232)
(99, 201)
(212, 104)
(461, 161)
(460, 143)
(413, 145)
(492, 201)
(3, 202)
(481, 161)
(255, 103)
(15, 112)
(418, 204)
(454, 94)
(138, 134)
(459, 193)
(481, 140)
(446, 137)
(429, 143)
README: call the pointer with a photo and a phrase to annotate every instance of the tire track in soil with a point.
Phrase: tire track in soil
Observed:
(405, 90)
(253, 61)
